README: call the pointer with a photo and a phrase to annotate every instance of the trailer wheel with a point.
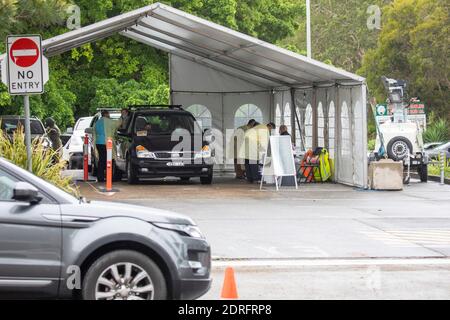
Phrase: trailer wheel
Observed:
(399, 148)
(423, 173)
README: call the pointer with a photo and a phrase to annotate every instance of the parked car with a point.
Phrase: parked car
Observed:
(9, 124)
(49, 239)
(73, 149)
(436, 151)
(146, 148)
(431, 145)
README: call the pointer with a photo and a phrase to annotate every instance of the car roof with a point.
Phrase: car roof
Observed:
(161, 111)
(17, 117)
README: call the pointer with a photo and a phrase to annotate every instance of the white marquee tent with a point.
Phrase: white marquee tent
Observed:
(225, 78)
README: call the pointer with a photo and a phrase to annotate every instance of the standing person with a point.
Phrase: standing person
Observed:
(237, 142)
(284, 131)
(256, 142)
(124, 117)
(104, 128)
(54, 134)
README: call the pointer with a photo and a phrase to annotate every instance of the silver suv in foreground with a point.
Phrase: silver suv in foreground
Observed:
(53, 245)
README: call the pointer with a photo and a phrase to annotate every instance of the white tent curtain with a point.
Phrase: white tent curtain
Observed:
(332, 116)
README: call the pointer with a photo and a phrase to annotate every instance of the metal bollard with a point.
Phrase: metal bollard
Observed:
(109, 147)
(86, 157)
(442, 161)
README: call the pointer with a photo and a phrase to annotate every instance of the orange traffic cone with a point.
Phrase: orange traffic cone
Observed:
(229, 290)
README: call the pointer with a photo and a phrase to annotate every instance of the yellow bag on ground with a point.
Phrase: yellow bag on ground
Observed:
(324, 174)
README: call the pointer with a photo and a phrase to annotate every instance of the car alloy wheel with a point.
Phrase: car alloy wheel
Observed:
(124, 281)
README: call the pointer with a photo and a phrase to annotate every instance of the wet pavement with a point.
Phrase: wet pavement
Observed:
(316, 221)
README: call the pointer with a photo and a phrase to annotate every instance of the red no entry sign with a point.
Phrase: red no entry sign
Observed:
(24, 52)
(27, 68)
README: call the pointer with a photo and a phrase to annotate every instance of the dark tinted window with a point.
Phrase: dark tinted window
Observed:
(10, 125)
(165, 123)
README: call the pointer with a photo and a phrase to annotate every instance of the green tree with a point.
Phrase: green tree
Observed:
(414, 46)
(117, 71)
(340, 35)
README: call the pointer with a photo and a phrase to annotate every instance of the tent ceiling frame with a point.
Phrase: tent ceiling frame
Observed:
(203, 55)
(218, 54)
(264, 45)
(129, 18)
(245, 47)
(82, 41)
(245, 76)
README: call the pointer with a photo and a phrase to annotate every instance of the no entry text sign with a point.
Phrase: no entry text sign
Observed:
(25, 65)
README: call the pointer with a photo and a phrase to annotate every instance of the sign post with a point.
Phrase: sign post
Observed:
(26, 103)
(25, 71)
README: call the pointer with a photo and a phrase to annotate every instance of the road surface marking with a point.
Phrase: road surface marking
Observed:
(330, 262)
(412, 237)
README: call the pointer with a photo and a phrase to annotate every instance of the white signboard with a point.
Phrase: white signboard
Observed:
(25, 65)
(280, 162)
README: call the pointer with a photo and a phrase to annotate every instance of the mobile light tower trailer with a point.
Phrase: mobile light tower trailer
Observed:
(401, 139)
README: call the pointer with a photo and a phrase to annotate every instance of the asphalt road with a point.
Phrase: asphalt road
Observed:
(317, 221)
(328, 223)
(339, 279)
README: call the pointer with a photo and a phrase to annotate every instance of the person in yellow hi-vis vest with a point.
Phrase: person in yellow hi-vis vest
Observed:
(256, 142)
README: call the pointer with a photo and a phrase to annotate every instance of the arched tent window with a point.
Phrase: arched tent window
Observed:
(331, 129)
(345, 124)
(202, 114)
(287, 119)
(278, 116)
(308, 127)
(247, 112)
(321, 125)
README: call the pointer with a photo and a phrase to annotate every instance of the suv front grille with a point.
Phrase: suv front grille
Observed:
(187, 155)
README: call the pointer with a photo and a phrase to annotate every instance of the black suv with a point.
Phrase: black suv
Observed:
(163, 141)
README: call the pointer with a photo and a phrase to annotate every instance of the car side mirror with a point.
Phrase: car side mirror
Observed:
(123, 133)
(25, 192)
(69, 130)
(89, 131)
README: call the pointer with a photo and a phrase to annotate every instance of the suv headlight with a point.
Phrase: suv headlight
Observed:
(143, 153)
(204, 154)
(184, 230)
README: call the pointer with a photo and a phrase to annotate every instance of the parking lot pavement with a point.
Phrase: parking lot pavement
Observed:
(339, 279)
(316, 221)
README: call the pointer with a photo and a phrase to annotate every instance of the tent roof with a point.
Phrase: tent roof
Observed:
(191, 37)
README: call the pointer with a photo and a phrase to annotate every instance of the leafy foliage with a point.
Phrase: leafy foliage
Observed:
(414, 45)
(44, 164)
(437, 132)
(340, 35)
(116, 72)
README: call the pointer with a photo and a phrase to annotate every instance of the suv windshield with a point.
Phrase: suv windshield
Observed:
(10, 125)
(164, 124)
